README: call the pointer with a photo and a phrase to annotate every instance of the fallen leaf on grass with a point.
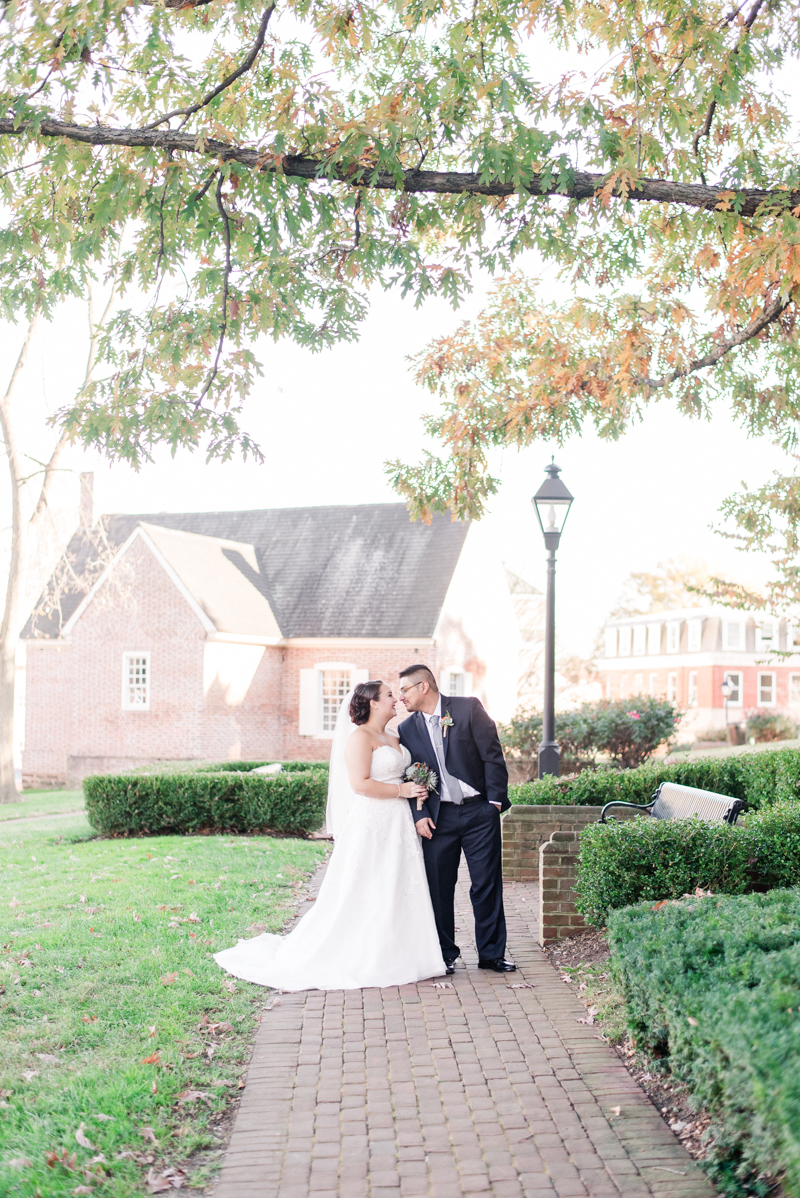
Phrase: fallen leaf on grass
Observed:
(147, 1133)
(19, 1162)
(194, 917)
(93, 910)
(151, 1029)
(82, 899)
(30, 1074)
(156, 1184)
(104, 1118)
(154, 1088)
(187, 1097)
(168, 978)
(48, 1058)
(691, 1021)
(242, 1084)
(88, 1019)
(69, 1162)
(81, 1138)
(210, 1050)
(83, 1190)
(155, 1059)
(589, 1020)
(229, 986)
(15, 903)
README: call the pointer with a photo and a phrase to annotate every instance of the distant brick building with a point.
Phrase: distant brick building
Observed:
(686, 655)
(234, 635)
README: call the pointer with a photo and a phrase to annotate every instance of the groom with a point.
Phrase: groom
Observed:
(456, 738)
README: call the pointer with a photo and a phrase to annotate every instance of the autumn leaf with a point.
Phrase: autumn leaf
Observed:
(168, 979)
(147, 1133)
(82, 1139)
(155, 1059)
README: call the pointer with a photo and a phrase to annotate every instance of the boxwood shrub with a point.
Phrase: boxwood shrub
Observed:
(758, 778)
(633, 860)
(201, 801)
(238, 767)
(713, 985)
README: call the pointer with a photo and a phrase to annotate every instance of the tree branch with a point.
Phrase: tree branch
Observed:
(242, 69)
(770, 314)
(585, 185)
(705, 129)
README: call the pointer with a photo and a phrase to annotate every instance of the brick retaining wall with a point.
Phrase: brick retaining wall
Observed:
(558, 866)
(526, 828)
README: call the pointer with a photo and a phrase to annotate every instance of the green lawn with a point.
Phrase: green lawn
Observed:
(122, 1039)
(42, 802)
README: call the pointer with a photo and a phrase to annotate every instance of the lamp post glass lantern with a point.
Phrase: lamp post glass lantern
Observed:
(552, 503)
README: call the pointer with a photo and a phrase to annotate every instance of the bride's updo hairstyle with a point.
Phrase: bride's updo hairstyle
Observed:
(363, 695)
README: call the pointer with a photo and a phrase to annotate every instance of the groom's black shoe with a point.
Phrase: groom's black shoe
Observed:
(500, 965)
(450, 966)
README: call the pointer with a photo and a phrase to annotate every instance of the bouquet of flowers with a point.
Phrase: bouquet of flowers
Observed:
(423, 775)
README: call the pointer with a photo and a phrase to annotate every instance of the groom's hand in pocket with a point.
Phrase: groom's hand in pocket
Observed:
(426, 827)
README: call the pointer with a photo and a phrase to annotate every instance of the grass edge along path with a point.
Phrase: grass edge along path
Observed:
(123, 1041)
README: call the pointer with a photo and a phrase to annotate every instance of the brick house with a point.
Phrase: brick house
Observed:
(234, 635)
(686, 655)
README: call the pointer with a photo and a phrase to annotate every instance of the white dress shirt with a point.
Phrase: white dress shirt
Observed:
(467, 791)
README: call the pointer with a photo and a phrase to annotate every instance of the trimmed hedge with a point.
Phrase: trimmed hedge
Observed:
(757, 778)
(137, 804)
(714, 984)
(238, 767)
(652, 859)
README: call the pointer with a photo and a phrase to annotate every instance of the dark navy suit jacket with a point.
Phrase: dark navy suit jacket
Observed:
(472, 752)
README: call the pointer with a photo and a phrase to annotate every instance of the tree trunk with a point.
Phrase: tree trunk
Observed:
(9, 629)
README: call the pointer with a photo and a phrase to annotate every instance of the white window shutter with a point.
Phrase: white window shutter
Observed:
(358, 676)
(309, 702)
(444, 681)
(467, 683)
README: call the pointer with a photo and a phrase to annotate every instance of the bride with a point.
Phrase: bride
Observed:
(372, 923)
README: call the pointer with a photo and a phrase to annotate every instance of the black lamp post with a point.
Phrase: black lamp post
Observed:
(552, 503)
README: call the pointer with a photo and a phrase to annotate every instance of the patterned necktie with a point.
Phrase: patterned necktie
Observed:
(449, 784)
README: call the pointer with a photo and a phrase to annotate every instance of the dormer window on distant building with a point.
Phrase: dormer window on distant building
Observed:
(766, 635)
(625, 641)
(611, 642)
(653, 640)
(639, 640)
(695, 635)
(674, 636)
(733, 636)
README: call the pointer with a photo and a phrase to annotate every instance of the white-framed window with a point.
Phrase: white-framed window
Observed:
(639, 640)
(136, 681)
(672, 687)
(793, 638)
(766, 635)
(625, 641)
(733, 636)
(653, 640)
(652, 684)
(766, 690)
(455, 681)
(611, 642)
(638, 683)
(735, 697)
(322, 689)
(692, 692)
(695, 635)
(794, 690)
(674, 636)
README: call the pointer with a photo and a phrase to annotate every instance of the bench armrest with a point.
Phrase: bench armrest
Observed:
(648, 807)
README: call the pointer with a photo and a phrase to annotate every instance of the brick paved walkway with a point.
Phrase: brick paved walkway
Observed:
(491, 1086)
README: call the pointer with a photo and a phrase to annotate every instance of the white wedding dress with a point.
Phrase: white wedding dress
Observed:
(372, 923)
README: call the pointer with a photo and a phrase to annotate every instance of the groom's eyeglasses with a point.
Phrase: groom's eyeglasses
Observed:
(405, 689)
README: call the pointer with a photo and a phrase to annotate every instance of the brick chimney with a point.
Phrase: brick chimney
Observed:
(87, 501)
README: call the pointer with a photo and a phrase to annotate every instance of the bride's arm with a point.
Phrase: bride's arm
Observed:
(358, 758)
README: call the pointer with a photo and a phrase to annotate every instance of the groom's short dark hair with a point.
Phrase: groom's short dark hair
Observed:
(425, 675)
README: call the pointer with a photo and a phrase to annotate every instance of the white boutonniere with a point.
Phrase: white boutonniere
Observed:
(446, 722)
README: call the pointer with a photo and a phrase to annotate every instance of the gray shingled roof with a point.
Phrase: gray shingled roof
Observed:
(324, 571)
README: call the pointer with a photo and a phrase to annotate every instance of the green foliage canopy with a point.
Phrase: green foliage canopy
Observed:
(247, 169)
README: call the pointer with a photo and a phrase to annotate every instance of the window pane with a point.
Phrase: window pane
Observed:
(640, 639)
(693, 688)
(736, 683)
(672, 687)
(794, 688)
(335, 685)
(136, 680)
(625, 642)
(456, 684)
(766, 689)
(653, 639)
(611, 642)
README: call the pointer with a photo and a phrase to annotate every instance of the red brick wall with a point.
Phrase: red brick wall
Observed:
(385, 663)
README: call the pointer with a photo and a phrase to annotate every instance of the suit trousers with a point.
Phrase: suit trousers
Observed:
(475, 828)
